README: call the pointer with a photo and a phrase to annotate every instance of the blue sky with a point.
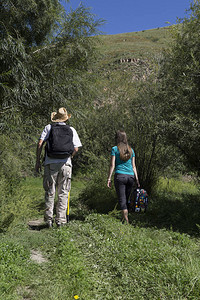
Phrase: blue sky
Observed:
(134, 15)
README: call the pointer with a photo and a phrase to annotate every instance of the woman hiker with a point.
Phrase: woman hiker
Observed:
(123, 161)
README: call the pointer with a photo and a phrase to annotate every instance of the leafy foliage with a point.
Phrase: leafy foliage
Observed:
(24, 25)
(39, 72)
(33, 20)
(180, 88)
(65, 65)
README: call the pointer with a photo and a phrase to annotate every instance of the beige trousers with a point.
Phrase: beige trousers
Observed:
(58, 176)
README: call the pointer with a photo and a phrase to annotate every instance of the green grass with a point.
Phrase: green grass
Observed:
(97, 257)
(175, 204)
(184, 185)
(142, 44)
(103, 259)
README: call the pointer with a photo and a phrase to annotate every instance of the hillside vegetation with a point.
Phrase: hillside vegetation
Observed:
(141, 44)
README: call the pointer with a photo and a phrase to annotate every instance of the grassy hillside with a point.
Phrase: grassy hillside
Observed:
(142, 44)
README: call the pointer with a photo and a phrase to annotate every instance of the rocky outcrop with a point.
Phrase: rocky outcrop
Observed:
(140, 68)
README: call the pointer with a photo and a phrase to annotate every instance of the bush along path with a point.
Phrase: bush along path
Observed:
(98, 258)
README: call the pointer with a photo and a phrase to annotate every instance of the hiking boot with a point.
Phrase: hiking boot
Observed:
(50, 224)
(60, 224)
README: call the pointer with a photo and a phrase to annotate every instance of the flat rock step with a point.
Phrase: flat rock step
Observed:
(37, 257)
(37, 224)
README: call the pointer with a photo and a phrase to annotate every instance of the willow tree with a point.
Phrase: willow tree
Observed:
(45, 61)
(67, 63)
(45, 53)
(24, 25)
(180, 93)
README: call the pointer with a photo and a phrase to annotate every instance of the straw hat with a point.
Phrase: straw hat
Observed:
(60, 116)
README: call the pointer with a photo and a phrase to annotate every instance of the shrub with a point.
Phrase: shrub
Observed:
(13, 202)
(96, 195)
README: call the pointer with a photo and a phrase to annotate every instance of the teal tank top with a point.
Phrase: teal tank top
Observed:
(122, 167)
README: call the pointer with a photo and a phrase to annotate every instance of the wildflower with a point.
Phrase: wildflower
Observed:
(76, 297)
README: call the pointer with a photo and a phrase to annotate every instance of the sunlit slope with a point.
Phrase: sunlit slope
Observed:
(142, 44)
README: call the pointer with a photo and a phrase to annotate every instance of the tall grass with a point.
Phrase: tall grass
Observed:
(174, 204)
(24, 201)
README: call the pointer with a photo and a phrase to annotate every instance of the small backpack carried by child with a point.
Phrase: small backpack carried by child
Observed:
(138, 201)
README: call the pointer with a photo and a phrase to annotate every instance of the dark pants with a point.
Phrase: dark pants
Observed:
(123, 185)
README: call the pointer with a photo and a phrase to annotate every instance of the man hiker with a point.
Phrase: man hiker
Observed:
(62, 143)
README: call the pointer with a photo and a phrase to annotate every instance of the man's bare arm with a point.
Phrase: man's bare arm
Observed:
(38, 155)
(75, 151)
